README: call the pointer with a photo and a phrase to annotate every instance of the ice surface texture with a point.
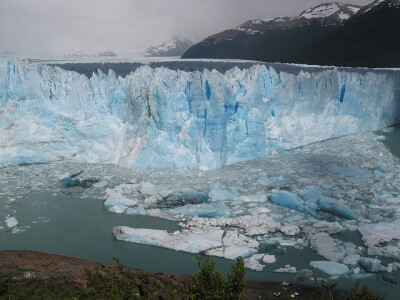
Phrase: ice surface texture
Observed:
(164, 118)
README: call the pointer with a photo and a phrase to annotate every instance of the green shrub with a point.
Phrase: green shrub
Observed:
(114, 283)
(364, 294)
(325, 292)
(208, 285)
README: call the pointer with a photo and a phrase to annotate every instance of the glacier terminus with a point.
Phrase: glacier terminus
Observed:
(161, 118)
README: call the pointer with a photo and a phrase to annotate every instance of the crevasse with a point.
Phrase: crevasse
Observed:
(158, 118)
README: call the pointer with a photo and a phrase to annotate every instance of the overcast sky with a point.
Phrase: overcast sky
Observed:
(57, 27)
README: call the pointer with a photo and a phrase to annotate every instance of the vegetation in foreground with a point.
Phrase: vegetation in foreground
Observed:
(122, 283)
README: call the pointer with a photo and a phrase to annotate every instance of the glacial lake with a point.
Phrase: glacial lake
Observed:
(75, 222)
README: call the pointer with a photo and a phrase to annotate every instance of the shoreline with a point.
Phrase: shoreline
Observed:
(50, 266)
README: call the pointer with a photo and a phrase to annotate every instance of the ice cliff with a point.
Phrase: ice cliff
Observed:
(163, 118)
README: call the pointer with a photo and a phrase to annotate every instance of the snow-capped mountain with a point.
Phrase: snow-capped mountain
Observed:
(174, 47)
(329, 13)
(284, 39)
(379, 4)
(274, 39)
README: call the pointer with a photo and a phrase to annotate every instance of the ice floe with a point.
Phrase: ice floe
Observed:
(330, 267)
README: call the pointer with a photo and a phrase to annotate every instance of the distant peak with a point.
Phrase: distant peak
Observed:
(379, 4)
(334, 10)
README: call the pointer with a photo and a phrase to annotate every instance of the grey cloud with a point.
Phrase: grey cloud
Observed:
(60, 26)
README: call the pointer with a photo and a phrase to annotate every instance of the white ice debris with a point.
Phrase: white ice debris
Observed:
(11, 221)
(119, 209)
(289, 229)
(286, 269)
(114, 197)
(374, 234)
(192, 242)
(253, 263)
(269, 259)
(147, 188)
(326, 246)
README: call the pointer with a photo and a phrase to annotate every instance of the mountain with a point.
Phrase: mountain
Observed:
(274, 40)
(371, 38)
(174, 47)
(328, 34)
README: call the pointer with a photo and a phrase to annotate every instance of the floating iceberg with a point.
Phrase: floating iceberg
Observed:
(11, 221)
(202, 210)
(374, 234)
(189, 242)
(330, 267)
(318, 203)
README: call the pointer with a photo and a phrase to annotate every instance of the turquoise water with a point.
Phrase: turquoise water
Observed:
(68, 222)
(69, 225)
(392, 140)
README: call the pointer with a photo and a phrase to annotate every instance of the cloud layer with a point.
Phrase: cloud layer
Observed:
(54, 27)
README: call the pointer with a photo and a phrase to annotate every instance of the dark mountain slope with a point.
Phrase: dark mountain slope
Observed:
(370, 39)
(328, 34)
(274, 40)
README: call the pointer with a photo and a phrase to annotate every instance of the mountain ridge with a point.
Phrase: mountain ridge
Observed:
(291, 39)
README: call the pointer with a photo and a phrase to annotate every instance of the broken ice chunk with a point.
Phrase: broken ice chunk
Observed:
(269, 259)
(374, 234)
(115, 198)
(312, 194)
(289, 229)
(258, 197)
(11, 221)
(186, 197)
(371, 264)
(66, 180)
(220, 193)
(330, 267)
(324, 226)
(351, 259)
(286, 269)
(192, 242)
(326, 246)
(155, 198)
(253, 263)
(207, 210)
(387, 251)
(270, 180)
(326, 204)
(350, 174)
(147, 188)
(334, 207)
(290, 200)
(119, 209)
(231, 252)
(382, 168)
(136, 211)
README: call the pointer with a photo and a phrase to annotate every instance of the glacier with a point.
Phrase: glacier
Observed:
(161, 118)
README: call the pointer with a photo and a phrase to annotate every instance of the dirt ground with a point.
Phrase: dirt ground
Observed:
(41, 265)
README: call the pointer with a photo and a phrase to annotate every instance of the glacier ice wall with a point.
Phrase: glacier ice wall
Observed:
(165, 118)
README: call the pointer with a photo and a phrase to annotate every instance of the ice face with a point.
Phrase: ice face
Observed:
(158, 118)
